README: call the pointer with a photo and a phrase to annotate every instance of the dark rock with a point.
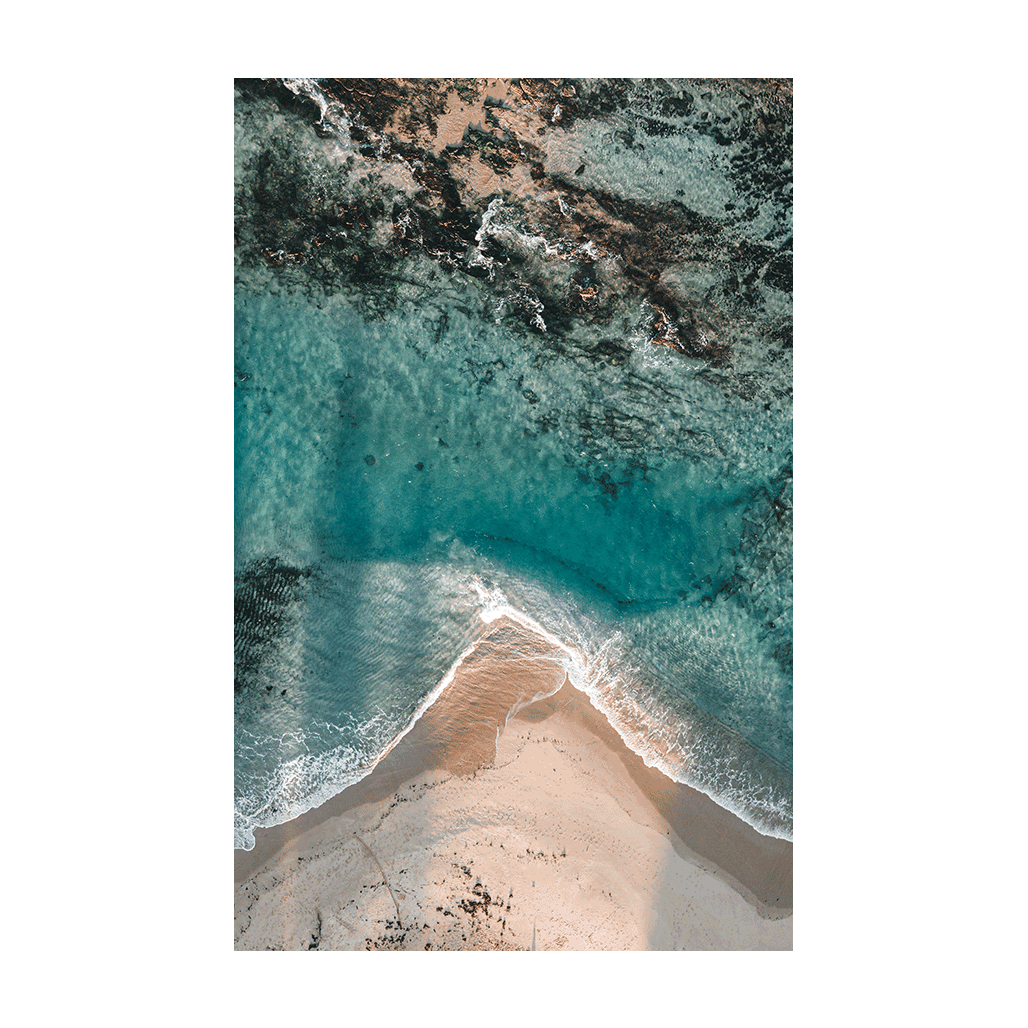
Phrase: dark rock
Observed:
(265, 592)
(304, 223)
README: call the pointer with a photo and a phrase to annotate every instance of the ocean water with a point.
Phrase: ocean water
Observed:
(433, 443)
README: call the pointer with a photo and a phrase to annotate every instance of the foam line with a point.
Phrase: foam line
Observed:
(586, 675)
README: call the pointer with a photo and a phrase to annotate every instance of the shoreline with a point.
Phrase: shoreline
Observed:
(600, 830)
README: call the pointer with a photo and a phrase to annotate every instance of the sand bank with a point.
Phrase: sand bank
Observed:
(548, 833)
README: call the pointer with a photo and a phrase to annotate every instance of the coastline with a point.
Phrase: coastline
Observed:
(541, 829)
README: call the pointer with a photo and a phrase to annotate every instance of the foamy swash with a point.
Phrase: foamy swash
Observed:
(684, 744)
(512, 358)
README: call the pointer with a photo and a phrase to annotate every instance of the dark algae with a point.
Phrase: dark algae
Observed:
(523, 342)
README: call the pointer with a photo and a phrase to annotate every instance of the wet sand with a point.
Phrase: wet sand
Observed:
(546, 832)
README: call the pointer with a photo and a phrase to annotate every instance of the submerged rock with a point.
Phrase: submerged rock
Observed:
(486, 177)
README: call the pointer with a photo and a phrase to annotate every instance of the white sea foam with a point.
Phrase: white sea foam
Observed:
(495, 605)
(288, 420)
(310, 779)
(685, 745)
(682, 747)
(333, 115)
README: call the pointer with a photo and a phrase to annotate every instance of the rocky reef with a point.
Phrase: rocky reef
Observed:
(592, 218)
(503, 180)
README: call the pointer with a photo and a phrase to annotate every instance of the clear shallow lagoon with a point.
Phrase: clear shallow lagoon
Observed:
(404, 475)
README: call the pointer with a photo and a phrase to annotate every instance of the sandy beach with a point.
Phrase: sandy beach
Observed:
(543, 833)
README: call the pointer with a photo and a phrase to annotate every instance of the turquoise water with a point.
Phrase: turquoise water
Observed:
(386, 456)
(403, 476)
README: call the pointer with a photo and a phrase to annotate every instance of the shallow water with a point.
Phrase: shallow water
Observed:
(407, 473)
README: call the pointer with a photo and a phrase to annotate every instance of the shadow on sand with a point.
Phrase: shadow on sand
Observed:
(482, 829)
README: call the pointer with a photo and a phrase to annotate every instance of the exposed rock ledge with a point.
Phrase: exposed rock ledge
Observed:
(499, 179)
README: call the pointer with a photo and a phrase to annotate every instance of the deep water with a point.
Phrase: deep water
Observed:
(430, 446)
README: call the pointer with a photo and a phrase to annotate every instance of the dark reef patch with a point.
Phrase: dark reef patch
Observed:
(388, 190)
(265, 590)
(344, 224)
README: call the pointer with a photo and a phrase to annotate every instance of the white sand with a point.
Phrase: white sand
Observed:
(558, 845)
